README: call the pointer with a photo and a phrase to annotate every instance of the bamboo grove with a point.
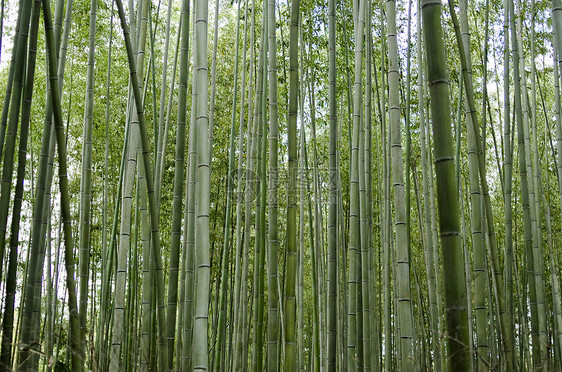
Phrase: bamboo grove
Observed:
(280, 185)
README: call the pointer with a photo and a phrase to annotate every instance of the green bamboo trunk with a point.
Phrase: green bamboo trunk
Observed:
(241, 353)
(353, 362)
(365, 202)
(447, 193)
(544, 338)
(11, 280)
(203, 273)
(86, 178)
(162, 128)
(251, 138)
(261, 191)
(557, 24)
(301, 240)
(332, 313)
(220, 357)
(189, 242)
(292, 258)
(386, 222)
(508, 169)
(476, 218)
(272, 259)
(406, 357)
(100, 353)
(147, 299)
(239, 258)
(556, 44)
(179, 177)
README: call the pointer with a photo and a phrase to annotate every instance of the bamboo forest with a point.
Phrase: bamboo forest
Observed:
(280, 185)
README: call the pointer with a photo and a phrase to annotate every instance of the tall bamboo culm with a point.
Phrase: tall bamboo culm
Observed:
(447, 193)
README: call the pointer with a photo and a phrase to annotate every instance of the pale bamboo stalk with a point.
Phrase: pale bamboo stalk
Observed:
(273, 297)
